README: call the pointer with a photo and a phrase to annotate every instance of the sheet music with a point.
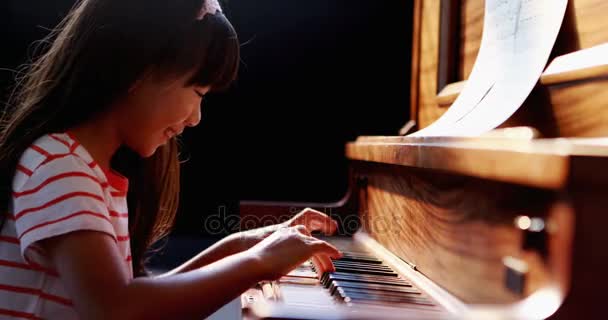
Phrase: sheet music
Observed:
(517, 38)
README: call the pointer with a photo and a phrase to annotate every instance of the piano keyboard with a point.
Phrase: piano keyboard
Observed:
(361, 280)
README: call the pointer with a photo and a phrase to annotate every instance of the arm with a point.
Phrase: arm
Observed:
(228, 246)
(313, 220)
(101, 289)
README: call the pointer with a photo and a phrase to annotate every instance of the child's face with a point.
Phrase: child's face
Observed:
(157, 110)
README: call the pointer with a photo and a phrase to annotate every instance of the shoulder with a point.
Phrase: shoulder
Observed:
(50, 156)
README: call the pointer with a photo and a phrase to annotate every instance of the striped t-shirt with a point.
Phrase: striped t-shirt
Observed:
(57, 188)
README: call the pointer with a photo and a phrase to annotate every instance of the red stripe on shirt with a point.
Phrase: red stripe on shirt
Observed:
(24, 170)
(33, 267)
(129, 258)
(55, 178)
(40, 150)
(9, 239)
(37, 292)
(118, 215)
(71, 136)
(79, 213)
(60, 140)
(19, 314)
(122, 238)
(92, 164)
(118, 193)
(57, 200)
(75, 145)
(55, 157)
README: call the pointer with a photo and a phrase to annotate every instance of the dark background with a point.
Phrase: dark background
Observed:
(314, 75)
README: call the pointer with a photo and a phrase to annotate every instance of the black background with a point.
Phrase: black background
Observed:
(314, 75)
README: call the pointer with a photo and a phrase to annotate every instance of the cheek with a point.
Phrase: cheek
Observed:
(143, 130)
(161, 115)
(172, 110)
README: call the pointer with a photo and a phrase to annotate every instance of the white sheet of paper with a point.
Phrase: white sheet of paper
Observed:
(517, 40)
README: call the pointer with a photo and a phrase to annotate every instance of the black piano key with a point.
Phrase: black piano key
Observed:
(362, 265)
(356, 265)
(366, 271)
(347, 275)
(331, 276)
(378, 269)
(356, 258)
(361, 285)
(352, 291)
(357, 270)
(362, 298)
(359, 255)
(357, 251)
(360, 277)
(360, 259)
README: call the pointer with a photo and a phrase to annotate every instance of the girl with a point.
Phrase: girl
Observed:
(90, 174)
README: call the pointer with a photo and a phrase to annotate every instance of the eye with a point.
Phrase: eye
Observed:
(201, 95)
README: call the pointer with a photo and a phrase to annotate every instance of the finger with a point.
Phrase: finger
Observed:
(322, 247)
(326, 261)
(323, 264)
(318, 266)
(318, 221)
(325, 225)
(333, 227)
(307, 214)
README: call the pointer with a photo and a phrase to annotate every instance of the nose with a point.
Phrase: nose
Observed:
(195, 117)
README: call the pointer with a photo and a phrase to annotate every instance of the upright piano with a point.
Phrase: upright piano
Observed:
(510, 224)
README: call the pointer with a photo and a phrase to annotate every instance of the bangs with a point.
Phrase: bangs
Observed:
(219, 65)
(210, 48)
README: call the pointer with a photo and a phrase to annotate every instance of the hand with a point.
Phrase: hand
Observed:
(312, 219)
(288, 248)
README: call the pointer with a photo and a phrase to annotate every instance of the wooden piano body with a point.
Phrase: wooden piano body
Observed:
(492, 226)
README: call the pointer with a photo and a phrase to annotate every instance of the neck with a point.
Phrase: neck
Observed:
(101, 139)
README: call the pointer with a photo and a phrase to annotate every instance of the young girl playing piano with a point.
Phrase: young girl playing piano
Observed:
(117, 82)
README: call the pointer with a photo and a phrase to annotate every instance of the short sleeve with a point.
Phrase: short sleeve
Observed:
(60, 196)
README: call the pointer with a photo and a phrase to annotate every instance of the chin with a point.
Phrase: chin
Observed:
(146, 152)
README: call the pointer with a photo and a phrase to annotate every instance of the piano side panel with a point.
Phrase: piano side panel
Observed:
(591, 22)
(471, 28)
(455, 229)
(589, 260)
(579, 108)
(426, 68)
